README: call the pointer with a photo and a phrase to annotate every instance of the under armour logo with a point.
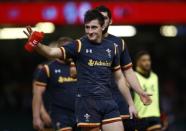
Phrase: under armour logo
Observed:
(57, 71)
(87, 117)
(109, 52)
(88, 50)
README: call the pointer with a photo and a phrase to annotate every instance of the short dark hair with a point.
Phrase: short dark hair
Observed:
(94, 15)
(103, 8)
(140, 54)
(63, 41)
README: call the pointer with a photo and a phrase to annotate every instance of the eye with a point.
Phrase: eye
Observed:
(87, 27)
(105, 17)
(94, 27)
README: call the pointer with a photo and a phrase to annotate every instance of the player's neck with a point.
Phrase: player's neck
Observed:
(105, 35)
(97, 41)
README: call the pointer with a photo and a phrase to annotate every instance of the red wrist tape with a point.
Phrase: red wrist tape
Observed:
(34, 40)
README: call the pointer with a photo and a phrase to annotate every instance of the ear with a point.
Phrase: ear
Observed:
(103, 27)
(110, 22)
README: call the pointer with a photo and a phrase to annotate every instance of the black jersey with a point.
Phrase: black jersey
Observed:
(95, 63)
(60, 86)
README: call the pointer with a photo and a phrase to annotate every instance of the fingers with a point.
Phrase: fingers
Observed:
(145, 98)
(28, 35)
(136, 114)
(28, 32)
(48, 122)
(131, 115)
(145, 94)
(149, 94)
(148, 102)
(29, 29)
(38, 127)
(38, 124)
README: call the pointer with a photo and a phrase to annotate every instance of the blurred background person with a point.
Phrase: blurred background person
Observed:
(41, 105)
(52, 86)
(149, 116)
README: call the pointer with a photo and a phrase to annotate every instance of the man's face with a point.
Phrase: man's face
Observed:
(107, 21)
(145, 62)
(93, 30)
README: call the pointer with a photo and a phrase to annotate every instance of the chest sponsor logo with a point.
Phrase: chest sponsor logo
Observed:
(98, 63)
(66, 79)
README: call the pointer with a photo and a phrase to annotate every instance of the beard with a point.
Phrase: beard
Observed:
(147, 69)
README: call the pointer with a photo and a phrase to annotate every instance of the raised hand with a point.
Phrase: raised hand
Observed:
(34, 38)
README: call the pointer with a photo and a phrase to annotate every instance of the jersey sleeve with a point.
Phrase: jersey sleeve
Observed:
(71, 50)
(125, 59)
(37, 70)
(116, 60)
(41, 76)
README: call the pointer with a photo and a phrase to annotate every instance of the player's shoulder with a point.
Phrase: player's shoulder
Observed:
(108, 41)
(82, 39)
(117, 40)
(109, 44)
(114, 38)
(137, 73)
(40, 66)
(154, 74)
(48, 63)
(55, 63)
(52, 65)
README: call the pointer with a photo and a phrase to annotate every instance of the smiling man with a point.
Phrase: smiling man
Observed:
(96, 59)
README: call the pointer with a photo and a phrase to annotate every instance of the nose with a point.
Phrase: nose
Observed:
(90, 31)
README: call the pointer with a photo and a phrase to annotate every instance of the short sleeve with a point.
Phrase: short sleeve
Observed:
(116, 60)
(41, 76)
(71, 50)
(125, 59)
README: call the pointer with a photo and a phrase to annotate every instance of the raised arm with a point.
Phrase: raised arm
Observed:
(34, 39)
(46, 51)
